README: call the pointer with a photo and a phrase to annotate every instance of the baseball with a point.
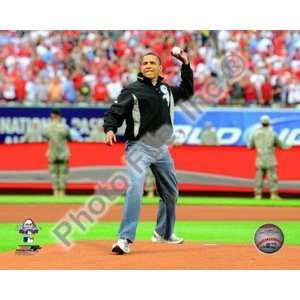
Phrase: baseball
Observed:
(176, 50)
(268, 238)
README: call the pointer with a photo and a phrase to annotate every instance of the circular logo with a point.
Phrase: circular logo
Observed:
(233, 66)
(268, 238)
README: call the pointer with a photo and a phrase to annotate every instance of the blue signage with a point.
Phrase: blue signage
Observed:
(233, 125)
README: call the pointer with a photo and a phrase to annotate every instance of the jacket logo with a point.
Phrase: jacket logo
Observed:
(166, 94)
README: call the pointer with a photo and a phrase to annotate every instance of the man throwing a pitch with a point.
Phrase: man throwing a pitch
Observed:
(147, 106)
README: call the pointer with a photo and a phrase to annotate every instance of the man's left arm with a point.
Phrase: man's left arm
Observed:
(186, 88)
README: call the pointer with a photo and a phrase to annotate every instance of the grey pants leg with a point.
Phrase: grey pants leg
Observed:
(166, 182)
(138, 162)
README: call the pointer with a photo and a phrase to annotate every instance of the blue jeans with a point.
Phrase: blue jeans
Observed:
(140, 157)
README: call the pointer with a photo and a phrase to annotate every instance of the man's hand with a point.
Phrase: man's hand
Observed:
(182, 56)
(110, 138)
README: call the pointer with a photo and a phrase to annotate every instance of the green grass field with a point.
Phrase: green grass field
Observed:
(239, 232)
(227, 201)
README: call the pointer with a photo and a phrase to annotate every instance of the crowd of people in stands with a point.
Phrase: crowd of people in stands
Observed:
(88, 67)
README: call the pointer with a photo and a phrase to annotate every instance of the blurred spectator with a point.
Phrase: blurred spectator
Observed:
(55, 90)
(293, 92)
(69, 91)
(8, 90)
(266, 93)
(114, 88)
(277, 90)
(100, 93)
(41, 89)
(84, 92)
(249, 92)
(236, 94)
(31, 91)
(20, 89)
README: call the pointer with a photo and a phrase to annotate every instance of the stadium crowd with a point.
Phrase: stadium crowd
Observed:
(88, 67)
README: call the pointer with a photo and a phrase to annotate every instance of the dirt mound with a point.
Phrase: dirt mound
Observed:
(96, 255)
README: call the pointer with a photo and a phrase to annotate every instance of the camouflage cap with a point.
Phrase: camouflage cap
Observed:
(265, 119)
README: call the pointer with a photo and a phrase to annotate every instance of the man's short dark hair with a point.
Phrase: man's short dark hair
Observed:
(56, 111)
(153, 54)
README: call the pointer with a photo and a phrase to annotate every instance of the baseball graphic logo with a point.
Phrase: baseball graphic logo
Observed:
(268, 238)
(28, 229)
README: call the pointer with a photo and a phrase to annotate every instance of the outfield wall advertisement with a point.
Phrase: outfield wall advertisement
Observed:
(199, 168)
(233, 126)
(15, 122)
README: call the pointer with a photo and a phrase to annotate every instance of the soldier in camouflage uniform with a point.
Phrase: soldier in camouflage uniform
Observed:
(58, 134)
(264, 140)
(208, 136)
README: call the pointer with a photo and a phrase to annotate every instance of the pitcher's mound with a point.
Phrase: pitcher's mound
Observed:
(87, 255)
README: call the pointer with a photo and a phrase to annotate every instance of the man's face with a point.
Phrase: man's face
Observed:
(150, 67)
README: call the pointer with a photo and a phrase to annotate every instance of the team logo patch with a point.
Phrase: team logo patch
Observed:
(166, 94)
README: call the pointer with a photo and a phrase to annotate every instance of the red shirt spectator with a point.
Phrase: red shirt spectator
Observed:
(67, 48)
(168, 62)
(278, 44)
(20, 89)
(196, 60)
(249, 93)
(297, 74)
(38, 65)
(100, 92)
(266, 93)
(24, 51)
(158, 48)
(77, 79)
(113, 70)
(120, 47)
